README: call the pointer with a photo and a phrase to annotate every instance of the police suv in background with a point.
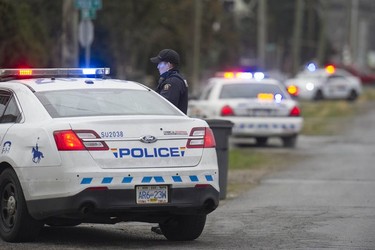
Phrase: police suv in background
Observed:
(77, 147)
(259, 107)
(324, 83)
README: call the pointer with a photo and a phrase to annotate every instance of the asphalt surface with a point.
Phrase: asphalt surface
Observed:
(326, 201)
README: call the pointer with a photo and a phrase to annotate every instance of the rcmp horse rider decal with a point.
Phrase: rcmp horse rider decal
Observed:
(6, 147)
(37, 155)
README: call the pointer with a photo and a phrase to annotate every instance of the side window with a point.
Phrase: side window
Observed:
(4, 99)
(335, 77)
(206, 93)
(9, 112)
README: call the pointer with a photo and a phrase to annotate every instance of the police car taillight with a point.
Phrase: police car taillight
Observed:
(295, 111)
(205, 138)
(226, 111)
(67, 140)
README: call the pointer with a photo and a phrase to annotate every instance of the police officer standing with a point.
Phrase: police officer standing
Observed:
(172, 85)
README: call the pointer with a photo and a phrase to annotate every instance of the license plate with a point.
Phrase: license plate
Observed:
(152, 194)
(258, 112)
(261, 112)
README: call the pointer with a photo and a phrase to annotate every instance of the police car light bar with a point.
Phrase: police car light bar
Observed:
(53, 72)
(241, 75)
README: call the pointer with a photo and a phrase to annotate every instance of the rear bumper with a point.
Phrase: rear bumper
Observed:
(90, 205)
(268, 127)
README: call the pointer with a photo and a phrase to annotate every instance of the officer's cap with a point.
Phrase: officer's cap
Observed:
(167, 55)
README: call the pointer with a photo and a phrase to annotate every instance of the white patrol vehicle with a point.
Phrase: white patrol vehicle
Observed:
(259, 107)
(327, 83)
(79, 147)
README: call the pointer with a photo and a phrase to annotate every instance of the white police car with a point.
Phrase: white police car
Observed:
(325, 83)
(78, 148)
(259, 107)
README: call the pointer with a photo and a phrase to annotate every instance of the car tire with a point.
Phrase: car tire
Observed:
(183, 227)
(289, 141)
(16, 224)
(261, 141)
(353, 95)
(319, 95)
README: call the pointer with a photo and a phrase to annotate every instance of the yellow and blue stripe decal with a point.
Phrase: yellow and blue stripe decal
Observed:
(264, 126)
(151, 179)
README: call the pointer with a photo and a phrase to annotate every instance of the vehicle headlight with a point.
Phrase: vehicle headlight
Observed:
(310, 86)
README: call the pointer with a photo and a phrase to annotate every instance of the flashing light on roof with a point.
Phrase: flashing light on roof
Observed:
(330, 69)
(259, 76)
(311, 67)
(25, 72)
(53, 72)
(244, 75)
(241, 75)
(89, 71)
(228, 75)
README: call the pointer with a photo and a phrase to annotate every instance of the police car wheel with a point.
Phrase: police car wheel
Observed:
(16, 224)
(352, 95)
(289, 141)
(184, 227)
(261, 141)
(318, 95)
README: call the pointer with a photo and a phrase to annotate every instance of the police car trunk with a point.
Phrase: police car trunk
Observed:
(147, 142)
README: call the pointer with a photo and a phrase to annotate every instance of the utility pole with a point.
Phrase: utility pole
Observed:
(262, 34)
(362, 43)
(69, 38)
(354, 31)
(322, 36)
(197, 41)
(297, 33)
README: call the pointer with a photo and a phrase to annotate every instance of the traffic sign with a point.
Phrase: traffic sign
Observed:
(86, 33)
(88, 8)
(88, 14)
(88, 4)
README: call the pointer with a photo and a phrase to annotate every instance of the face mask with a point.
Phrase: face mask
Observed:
(163, 67)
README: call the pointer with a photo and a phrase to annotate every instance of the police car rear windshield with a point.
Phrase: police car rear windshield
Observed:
(103, 102)
(235, 91)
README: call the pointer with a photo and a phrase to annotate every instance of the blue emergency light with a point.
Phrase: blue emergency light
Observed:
(241, 75)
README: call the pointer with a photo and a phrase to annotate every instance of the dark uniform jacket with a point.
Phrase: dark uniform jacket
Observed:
(174, 88)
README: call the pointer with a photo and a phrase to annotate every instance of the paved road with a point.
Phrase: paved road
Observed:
(326, 201)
